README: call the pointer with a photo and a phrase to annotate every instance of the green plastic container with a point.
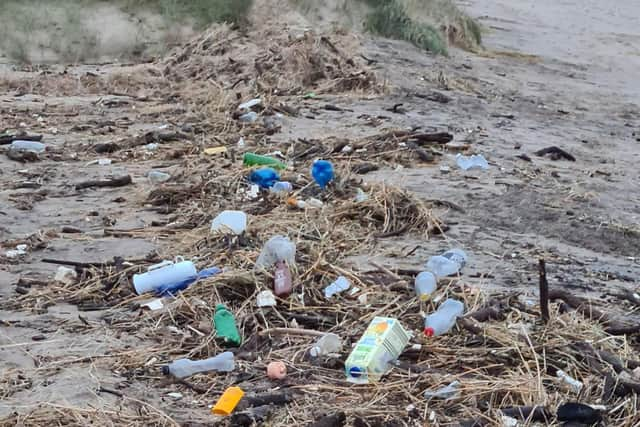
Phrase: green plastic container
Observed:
(252, 159)
(225, 325)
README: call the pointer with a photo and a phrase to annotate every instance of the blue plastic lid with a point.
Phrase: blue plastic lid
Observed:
(355, 372)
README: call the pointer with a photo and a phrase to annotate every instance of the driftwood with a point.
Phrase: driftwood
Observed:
(120, 181)
(583, 306)
(556, 153)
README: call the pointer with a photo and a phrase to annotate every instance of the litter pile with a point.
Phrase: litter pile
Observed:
(253, 308)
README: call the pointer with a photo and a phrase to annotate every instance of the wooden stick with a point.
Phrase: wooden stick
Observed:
(544, 291)
(119, 181)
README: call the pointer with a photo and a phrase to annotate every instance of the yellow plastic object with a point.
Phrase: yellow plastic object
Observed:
(215, 150)
(228, 401)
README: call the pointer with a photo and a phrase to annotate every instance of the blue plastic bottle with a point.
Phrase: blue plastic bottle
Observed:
(322, 172)
(265, 177)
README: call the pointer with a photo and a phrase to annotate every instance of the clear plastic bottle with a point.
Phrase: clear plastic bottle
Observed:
(425, 284)
(33, 146)
(443, 319)
(281, 187)
(184, 368)
(447, 264)
(341, 284)
(327, 344)
(157, 177)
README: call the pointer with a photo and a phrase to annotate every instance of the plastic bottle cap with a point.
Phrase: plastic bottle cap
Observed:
(228, 401)
(165, 370)
(429, 331)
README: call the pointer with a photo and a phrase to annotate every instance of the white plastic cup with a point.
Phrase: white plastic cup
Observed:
(234, 221)
(165, 273)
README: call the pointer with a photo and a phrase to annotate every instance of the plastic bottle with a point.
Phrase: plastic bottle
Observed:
(447, 264)
(277, 248)
(443, 319)
(252, 159)
(184, 368)
(477, 161)
(225, 325)
(158, 177)
(573, 384)
(33, 146)
(265, 177)
(164, 274)
(341, 284)
(425, 284)
(230, 221)
(322, 172)
(281, 187)
(327, 344)
(282, 279)
(174, 288)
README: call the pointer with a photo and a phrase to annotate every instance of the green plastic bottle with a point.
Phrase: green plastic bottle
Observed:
(252, 159)
(225, 325)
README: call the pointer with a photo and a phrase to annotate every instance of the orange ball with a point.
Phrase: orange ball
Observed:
(276, 370)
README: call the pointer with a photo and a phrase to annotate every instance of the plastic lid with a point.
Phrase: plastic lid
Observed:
(355, 372)
(428, 331)
(228, 401)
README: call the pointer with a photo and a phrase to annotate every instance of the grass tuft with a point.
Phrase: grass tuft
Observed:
(389, 18)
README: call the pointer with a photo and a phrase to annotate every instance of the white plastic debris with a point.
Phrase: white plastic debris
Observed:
(66, 275)
(447, 392)
(249, 117)
(250, 104)
(341, 284)
(230, 221)
(266, 299)
(477, 161)
(573, 384)
(175, 395)
(509, 422)
(361, 196)
(241, 143)
(18, 251)
(154, 304)
(158, 177)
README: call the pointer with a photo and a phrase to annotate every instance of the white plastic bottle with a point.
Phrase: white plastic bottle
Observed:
(327, 344)
(443, 319)
(447, 264)
(184, 368)
(425, 284)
